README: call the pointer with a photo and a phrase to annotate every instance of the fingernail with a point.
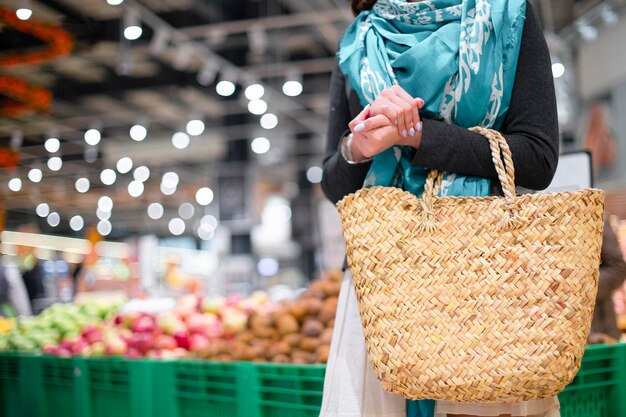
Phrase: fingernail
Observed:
(405, 134)
(412, 132)
(418, 126)
(421, 101)
(360, 127)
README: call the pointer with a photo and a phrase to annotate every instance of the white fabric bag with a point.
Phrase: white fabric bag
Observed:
(351, 388)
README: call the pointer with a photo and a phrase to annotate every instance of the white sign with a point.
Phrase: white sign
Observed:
(573, 173)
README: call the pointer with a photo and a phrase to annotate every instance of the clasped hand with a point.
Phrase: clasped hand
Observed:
(392, 119)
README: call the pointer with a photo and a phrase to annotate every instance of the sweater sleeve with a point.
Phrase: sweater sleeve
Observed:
(340, 178)
(530, 126)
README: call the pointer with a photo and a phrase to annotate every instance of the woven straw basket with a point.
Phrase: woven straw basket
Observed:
(475, 299)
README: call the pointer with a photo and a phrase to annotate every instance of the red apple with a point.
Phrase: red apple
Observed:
(78, 346)
(115, 346)
(187, 305)
(170, 323)
(133, 353)
(125, 335)
(64, 353)
(129, 318)
(180, 353)
(201, 323)
(65, 344)
(233, 300)
(199, 344)
(215, 331)
(154, 354)
(182, 339)
(144, 324)
(213, 305)
(165, 342)
(93, 336)
(234, 321)
(50, 349)
(141, 342)
(97, 349)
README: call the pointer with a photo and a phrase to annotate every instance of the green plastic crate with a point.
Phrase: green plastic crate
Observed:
(599, 388)
(289, 390)
(56, 383)
(197, 389)
(114, 387)
(10, 386)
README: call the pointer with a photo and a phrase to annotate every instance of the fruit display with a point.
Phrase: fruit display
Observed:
(187, 331)
(214, 328)
(298, 331)
(6, 325)
(58, 322)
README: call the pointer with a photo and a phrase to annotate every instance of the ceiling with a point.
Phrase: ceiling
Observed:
(168, 77)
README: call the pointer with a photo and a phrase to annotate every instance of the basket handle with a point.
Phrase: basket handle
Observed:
(503, 161)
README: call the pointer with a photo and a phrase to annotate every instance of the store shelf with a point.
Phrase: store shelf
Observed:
(42, 386)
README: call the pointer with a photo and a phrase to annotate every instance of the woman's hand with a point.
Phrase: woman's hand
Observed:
(399, 107)
(380, 134)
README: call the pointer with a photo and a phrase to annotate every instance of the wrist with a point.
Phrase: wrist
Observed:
(350, 152)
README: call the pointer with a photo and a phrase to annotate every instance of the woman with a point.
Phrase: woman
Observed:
(412, 77)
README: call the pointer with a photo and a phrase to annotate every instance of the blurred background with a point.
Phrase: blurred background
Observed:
(163, 147)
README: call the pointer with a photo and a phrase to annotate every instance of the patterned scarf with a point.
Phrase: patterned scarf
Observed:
(460, 56)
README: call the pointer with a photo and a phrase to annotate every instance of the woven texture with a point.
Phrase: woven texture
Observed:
(475, 299)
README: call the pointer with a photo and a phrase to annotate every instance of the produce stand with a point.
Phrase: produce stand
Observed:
(45, 386)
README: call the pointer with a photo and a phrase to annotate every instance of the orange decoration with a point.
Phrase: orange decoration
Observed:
(22, 97)
(9, 158)
(60, 43)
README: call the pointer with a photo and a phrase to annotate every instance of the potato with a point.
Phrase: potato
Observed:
(334, 276)
(263, 332)
(260, 320)
(245, 336)
(281, 359)
(293, 339)
(298, 310)
(312, 328)
(322, 353)
(287, 324)
(280, 348)
(309, 344)
(300, 356)
(326, 336)
(327, 313)
(312, 305)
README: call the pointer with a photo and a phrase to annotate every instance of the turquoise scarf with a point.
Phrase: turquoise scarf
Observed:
(458, 55)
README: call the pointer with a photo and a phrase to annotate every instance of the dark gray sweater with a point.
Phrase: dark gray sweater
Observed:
(530, 128)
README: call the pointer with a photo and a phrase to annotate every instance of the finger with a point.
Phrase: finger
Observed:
(390, 110)
(411, 111)
(383, 101)
(415, 126)
(375, 122)
(365, 113)
(405, 116)
(418, 103)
